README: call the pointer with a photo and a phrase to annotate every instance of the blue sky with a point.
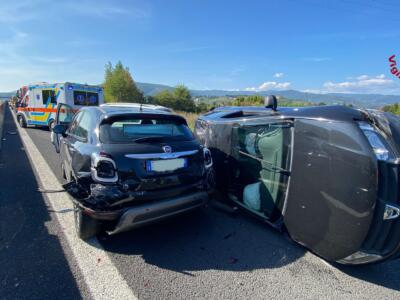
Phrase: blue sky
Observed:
(314, 45)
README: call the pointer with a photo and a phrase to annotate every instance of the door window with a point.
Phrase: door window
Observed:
(65, 114)
(49, 96)
(74, 125)
(83, 126)
(262, 166)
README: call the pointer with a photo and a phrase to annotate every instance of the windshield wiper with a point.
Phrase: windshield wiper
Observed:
(149, 139)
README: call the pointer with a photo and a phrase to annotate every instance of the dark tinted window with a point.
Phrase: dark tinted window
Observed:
(125, 129)
(86, 98)
(49, 96)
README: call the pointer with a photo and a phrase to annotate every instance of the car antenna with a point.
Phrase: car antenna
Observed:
(141, 106)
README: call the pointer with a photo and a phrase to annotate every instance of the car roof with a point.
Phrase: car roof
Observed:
(330, 112)
(116, 109)
(125, 108)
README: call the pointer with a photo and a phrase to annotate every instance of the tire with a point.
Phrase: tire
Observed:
(85, 226)
(21, 121)
(51, 125)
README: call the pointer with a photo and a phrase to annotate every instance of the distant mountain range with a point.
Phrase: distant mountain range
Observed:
(365, 100)
(6, 95)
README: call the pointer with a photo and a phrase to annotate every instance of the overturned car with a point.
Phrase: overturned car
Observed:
(129, 165)
(328, 175)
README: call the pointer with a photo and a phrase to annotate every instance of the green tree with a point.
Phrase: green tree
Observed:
(394, 108)
(202, 107)
(179, 99)
(183, 99)
(119, 85)
(165, 98)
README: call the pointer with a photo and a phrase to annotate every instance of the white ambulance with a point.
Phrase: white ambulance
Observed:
(38, 102)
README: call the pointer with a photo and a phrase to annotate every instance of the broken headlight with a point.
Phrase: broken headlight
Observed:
(376, 140)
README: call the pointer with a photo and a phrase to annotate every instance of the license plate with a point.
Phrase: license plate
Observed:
(166, 164)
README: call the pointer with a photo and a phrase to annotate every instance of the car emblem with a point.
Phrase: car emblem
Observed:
(167, 149)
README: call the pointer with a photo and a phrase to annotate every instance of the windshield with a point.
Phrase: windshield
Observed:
(141, 130)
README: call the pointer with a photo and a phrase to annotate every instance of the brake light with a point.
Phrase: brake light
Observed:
(105, 154)
(103, 168)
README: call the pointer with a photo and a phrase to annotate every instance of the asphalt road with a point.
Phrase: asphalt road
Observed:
(33, 264)
(214, 255)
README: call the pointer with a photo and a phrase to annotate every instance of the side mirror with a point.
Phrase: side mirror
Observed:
(271, 102)
(59, 129)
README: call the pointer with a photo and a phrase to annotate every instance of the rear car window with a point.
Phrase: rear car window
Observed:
(125, 129)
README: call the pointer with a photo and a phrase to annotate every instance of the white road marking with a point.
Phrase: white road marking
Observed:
(101, 276)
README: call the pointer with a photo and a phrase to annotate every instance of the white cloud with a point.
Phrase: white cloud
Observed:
(362, 77)
(313, 91)
(18, 11)
(270, 85)
(278, 75)
(362, 84)
(17, 68)
(317, 59)
(104, 9)
(12, 12)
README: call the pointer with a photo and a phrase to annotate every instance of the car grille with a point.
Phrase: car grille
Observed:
(384, 235)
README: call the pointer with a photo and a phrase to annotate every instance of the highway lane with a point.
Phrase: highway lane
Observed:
(211, 254)
(35, 262)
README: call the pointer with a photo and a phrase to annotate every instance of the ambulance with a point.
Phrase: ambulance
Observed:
(38, 102)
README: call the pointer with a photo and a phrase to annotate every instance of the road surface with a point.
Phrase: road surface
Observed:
(207, 255)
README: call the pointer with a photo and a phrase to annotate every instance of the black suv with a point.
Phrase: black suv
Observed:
(127, 165)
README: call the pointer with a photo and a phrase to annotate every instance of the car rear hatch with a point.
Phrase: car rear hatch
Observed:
(147, 167)
(153, 153)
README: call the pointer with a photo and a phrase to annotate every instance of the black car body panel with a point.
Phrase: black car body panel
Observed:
(91, 148)
(326, 186)
(333, 183)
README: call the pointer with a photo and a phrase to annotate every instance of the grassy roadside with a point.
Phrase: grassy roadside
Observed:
(190, 118)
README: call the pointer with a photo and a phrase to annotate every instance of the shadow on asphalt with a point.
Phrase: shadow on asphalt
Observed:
(33, 263)
(210, 239)
(384, 274)
(207, 239)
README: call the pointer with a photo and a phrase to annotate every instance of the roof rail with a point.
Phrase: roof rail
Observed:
(138, 105)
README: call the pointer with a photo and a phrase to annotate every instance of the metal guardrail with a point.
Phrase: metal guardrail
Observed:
(2, 111)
